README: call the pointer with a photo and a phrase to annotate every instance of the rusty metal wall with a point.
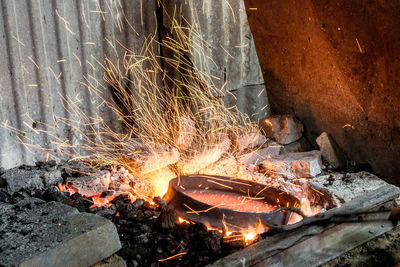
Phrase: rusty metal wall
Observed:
(231, 53)
(48, 47)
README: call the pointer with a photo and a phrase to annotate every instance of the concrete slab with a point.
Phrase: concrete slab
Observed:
(54, 234)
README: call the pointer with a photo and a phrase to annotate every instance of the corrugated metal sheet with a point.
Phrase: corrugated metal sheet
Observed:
(48, 46)
(233, 58)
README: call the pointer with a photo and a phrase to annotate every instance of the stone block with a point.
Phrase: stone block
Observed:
(294, 165)
(255, 157)
(284, 129)
(330, 150)
(225, 166)
(54, 234)
(249, 139)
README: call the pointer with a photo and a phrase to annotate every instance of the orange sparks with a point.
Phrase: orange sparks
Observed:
(173, 257)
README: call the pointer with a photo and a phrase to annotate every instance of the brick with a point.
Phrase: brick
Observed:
(257, 156)
(284, 129)
(330, 150)
(292, 165)
(247, 139)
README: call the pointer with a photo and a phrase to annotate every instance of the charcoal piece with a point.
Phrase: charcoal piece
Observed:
(107, 193)
(107, 212)
(4, 196)
(148, 206)
(53, 194)
(3, 182)
(141, 239)
(167, 217)
(23, 178)
(18, 196)
(138, 203)
(52, 177)
(80, 202)
(161, 202)
(213, 241)
(28, 203)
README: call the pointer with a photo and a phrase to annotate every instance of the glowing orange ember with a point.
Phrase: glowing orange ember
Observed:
(102, 201)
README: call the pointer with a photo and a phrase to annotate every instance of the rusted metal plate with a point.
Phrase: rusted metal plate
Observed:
(224, 202)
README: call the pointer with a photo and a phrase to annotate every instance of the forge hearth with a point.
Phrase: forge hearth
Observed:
(157, 232)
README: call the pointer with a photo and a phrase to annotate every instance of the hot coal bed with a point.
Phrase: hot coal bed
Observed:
(45, 224)
(32, 206)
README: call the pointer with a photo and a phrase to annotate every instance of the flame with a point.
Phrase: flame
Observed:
(181, 220)
(102, 201)
(249, 237)
(66, 188)
(160, 180)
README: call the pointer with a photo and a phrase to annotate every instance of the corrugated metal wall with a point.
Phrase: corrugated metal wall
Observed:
(49, 48)
(233, 59)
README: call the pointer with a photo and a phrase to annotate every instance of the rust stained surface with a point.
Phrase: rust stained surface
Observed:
(335, 65)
